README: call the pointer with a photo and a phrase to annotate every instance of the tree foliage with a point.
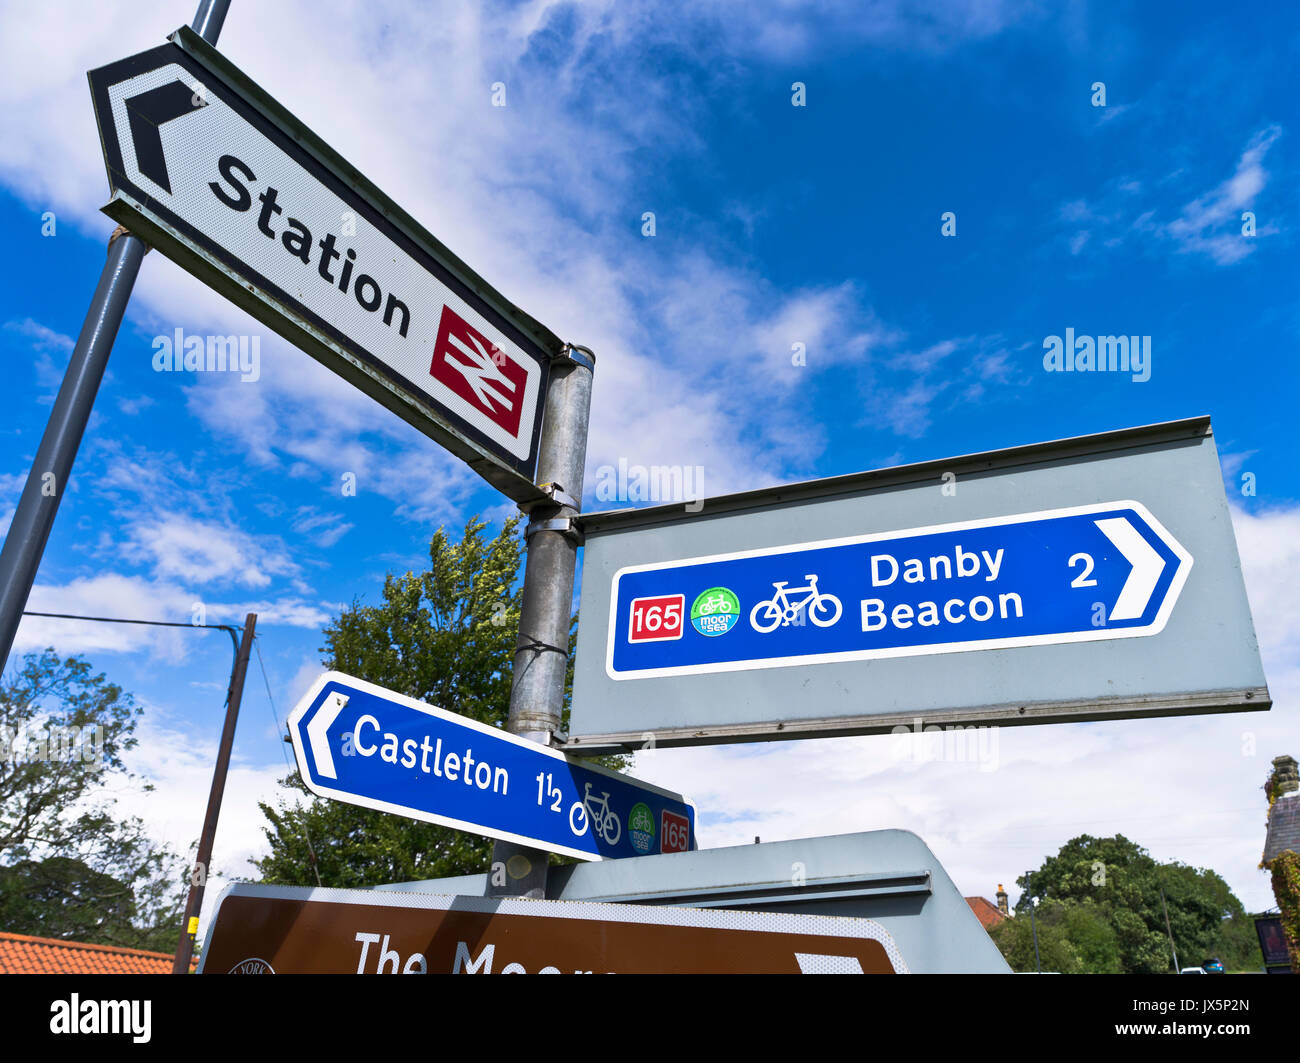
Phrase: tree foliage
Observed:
(445, 636)
(1056, 952)
(70, 867)
(1103, 896)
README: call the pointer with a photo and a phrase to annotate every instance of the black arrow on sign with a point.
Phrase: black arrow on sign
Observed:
(146, 113)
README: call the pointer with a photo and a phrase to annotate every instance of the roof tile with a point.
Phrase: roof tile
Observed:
(985, 911)
(23, 954)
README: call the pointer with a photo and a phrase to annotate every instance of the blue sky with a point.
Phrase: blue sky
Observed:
(775, 225)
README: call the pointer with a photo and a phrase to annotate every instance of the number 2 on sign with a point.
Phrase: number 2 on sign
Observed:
(1082, 580)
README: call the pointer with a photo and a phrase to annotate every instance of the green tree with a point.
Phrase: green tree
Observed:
(61, 897)
(1056, 952)
(445, 636)
(70, 867)
(1110, 890)
(1093, 938)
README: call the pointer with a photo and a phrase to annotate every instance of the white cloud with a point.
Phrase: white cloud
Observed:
(176, 546)
(324, 529)
(178, 760)
(292, 612)
(108, 595)
(131, 407)
(46, 344)
(1269, 544)
(1209, 225)
(1232, 462)
(135, 598)
(1200, 228)
(907, 387)
(11, 487)
(308, 672)
(43, 338)
(544, 173)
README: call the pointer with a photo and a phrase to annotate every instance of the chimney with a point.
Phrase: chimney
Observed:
(1286, 775)
(1002, 901)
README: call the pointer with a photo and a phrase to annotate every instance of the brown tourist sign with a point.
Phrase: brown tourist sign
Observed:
(285, 929)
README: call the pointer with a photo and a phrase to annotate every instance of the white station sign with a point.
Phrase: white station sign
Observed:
(211, 171)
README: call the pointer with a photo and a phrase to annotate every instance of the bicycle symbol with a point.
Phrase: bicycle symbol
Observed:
(600, 816)
(823, 609)
(714, 603)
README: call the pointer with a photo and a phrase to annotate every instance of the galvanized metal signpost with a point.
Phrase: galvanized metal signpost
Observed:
(541, 660)
(364, 745)
(1085, 579)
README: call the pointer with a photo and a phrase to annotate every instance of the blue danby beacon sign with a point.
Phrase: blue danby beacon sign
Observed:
(1093, 578)
(1095, 572)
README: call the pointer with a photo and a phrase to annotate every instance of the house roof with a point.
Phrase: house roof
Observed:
(985, 911)
(23, 954)
(1283, 827)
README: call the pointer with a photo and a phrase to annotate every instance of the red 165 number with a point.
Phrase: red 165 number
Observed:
(656, 619)
(676, 833)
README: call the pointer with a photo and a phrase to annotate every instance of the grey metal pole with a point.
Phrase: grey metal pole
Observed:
(209, 19)
(203, 860)
(541, 654)
(48, 479)
(1033, 923)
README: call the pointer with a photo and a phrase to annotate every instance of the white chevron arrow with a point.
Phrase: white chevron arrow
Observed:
(1147, 567)
(320, 745)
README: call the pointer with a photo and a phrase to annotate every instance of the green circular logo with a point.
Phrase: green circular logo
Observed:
(715, 612)
(641, 828)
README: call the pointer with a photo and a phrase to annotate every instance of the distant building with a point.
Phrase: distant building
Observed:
(986, 912)
(1282, 857)
(1284, 814)
(22, 954)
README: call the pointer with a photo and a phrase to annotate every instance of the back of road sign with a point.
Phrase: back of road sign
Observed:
(1084, 579)
(889, 877)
